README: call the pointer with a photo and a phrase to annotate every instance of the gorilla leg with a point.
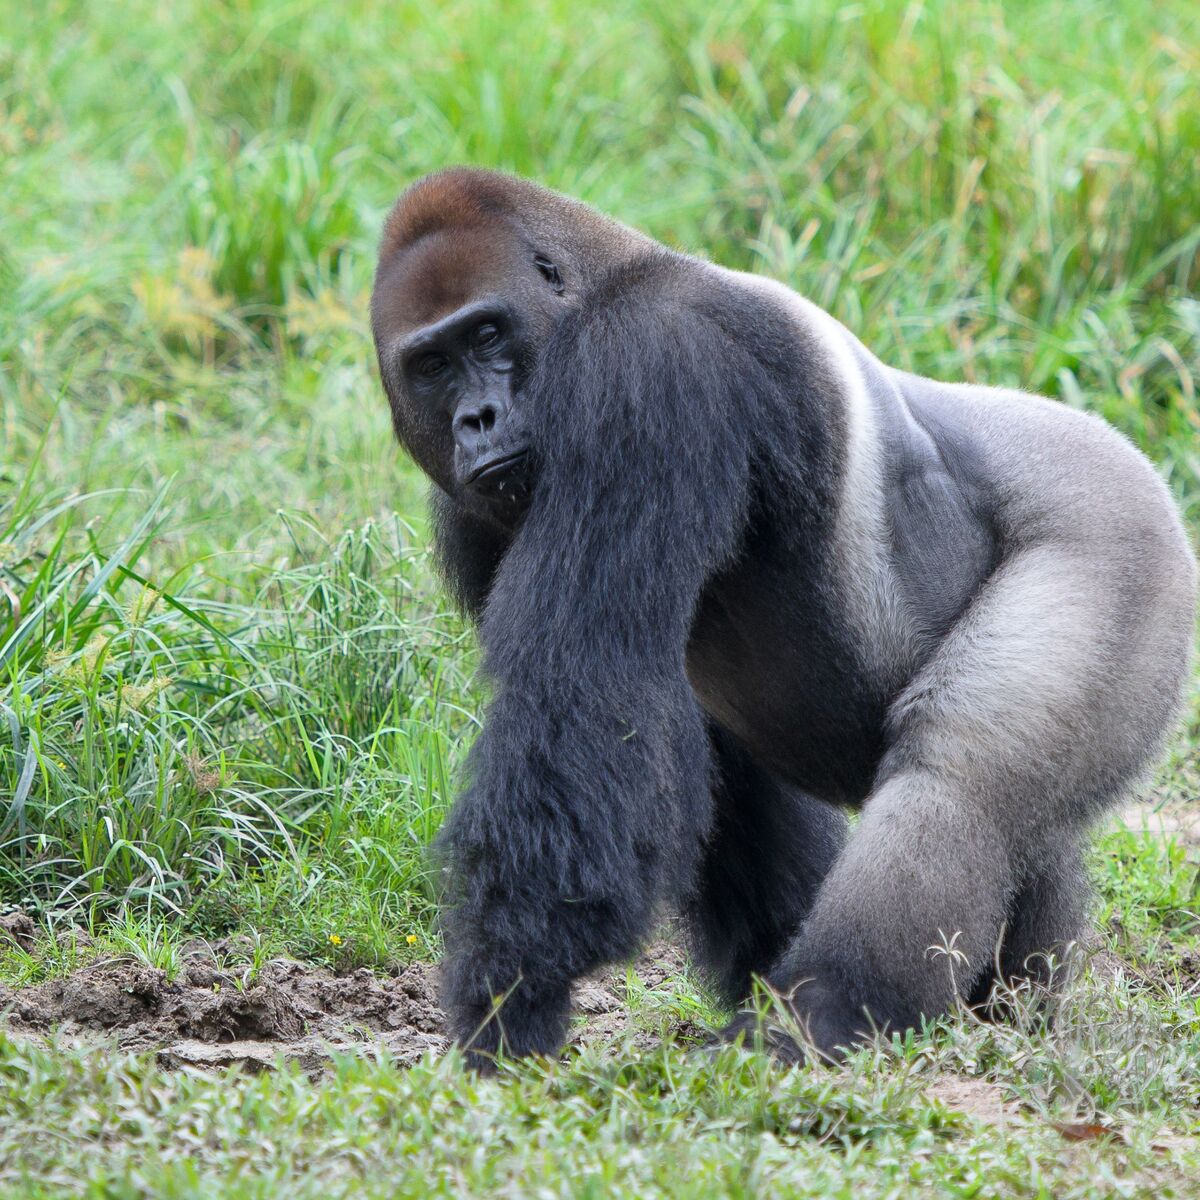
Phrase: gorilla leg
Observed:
(1033, 713)
(769, 851)
(908, 918)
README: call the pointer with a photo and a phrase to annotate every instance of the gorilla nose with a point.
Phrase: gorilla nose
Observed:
(492, 450)
(475, 425)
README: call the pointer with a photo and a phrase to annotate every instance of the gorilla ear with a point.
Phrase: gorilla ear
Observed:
(550, 272)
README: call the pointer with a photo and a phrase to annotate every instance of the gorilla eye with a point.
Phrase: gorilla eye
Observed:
(486, 334)
(431, 365)
(549, 273)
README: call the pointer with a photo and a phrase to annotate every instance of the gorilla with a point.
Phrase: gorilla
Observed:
(733, 576)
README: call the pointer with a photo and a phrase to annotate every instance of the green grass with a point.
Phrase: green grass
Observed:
(632, 1124)
(232, 697)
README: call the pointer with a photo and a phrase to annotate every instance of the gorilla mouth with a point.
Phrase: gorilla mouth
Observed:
(496, 470)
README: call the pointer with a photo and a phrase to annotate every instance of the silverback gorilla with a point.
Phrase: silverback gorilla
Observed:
(732, 574)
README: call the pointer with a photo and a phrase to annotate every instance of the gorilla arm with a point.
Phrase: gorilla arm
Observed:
(589, 794)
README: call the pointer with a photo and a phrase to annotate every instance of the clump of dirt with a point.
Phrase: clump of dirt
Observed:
(603, 1003)
(215, 1016)
(17, 929)
(1168, 969)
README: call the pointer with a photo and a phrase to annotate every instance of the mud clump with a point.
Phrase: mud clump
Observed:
(17, 929)
(212, 1015)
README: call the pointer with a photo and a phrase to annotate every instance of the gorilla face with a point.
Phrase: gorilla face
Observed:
(460, 322)
(462, 368)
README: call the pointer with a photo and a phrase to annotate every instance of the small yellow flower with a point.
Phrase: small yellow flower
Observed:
(411, 939)
(58, 762)
(334, 940)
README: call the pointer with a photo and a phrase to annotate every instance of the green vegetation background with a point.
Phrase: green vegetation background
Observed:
(231, 696)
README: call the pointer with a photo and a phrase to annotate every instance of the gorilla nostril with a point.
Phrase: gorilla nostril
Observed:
(478, 421)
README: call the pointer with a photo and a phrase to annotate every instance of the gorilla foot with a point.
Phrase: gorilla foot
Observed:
(810, 1024)
(758, 1031)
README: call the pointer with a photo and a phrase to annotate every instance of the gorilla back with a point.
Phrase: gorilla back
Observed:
(731, 574)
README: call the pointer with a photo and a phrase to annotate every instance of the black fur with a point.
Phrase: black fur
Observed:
(769, 850)
(590, 795)
(469, 550)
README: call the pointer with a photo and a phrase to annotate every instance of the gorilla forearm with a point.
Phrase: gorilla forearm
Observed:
(583, 815)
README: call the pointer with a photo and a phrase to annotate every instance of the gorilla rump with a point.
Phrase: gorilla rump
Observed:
(732, 574)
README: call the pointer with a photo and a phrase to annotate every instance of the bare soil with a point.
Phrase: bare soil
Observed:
(977, 1098)
(213, 1016)
(1181, 820)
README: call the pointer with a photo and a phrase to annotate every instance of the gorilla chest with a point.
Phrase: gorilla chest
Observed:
(771, 661)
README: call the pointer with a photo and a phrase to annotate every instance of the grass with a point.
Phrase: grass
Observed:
(232, 699)
(629, 1123)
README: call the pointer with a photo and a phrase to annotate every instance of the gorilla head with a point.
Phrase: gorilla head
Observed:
(475, 273)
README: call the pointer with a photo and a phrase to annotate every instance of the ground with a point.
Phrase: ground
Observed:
(233, 699)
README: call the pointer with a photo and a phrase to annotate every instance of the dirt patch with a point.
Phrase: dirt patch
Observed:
(1181, 821)
(210, 1016)
(1167, 970)
(975, 1098)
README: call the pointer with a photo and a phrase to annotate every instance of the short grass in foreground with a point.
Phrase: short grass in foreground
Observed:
(1104, 1106)
(232, 699)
